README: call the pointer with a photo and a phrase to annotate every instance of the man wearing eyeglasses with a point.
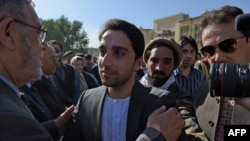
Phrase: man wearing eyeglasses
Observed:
(221, 44)
(20, 62)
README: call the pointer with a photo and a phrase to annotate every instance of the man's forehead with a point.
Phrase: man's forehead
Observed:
(115, 39)
(219, 32)
(115, 36)
(31, 13)
(188, 47)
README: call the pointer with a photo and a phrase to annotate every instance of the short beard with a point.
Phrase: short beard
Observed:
(34, 64)
(157, 82)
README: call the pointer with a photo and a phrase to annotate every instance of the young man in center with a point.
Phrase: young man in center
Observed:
(120, 109)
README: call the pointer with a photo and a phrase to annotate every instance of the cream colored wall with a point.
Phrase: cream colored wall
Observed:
(174, 24)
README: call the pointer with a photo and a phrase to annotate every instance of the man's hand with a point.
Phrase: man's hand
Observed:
(169, 123)
(63, 120)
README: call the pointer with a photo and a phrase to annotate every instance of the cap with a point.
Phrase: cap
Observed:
(79, 54)
(88, 56)
(67, 53)
(169, 43)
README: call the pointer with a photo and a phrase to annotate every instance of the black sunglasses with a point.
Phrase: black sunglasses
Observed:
(228, 45)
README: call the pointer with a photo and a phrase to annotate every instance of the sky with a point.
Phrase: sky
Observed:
(142, 13)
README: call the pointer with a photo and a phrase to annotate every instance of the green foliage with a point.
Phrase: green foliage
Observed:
(69, 34)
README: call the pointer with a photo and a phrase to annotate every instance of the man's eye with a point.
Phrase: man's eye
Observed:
(154, 60)
(119, 53)
(102, 52)
(167, 62)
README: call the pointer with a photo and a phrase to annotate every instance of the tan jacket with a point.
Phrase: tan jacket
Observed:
(207, 111)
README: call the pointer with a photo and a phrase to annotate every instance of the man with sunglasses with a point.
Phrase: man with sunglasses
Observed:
(21, 36)
(221, 44)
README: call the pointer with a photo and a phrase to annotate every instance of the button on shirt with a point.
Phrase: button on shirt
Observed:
(114, 119)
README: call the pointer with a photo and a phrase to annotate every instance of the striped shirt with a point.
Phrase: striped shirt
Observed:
(190, 83)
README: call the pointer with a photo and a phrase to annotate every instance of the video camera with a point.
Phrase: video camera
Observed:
(242, 24)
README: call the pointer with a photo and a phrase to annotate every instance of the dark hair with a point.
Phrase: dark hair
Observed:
(13, 8)
(132, 32)
(223, 15)
(54, 42)
(189, 40)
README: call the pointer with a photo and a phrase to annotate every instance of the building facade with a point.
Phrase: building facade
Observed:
(174, 27)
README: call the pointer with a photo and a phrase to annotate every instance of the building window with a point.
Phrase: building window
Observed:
(184, 30)
(196, 27)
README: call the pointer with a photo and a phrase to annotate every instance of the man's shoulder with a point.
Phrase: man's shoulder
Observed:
(159, 91)
(150, 89)
(6, 91)
(175, 87)
(91, 98)
(197, 71)
(9, 100)
(70, 69)
(95, 91)
(3, 85)
(67, 66)
(160, 96)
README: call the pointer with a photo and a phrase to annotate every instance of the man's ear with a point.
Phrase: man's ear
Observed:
(138, 63)
(8, 32)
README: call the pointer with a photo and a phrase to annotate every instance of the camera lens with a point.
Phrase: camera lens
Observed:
(230, 80)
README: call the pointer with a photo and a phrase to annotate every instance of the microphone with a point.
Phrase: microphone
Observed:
(242, 22)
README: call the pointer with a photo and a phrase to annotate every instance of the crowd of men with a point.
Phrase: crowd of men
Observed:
(134, 91)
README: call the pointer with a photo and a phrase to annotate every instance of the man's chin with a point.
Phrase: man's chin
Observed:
(157, 82)
(186, 65)
(37, 75)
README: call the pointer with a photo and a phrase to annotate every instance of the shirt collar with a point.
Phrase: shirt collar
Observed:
(9, 83)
